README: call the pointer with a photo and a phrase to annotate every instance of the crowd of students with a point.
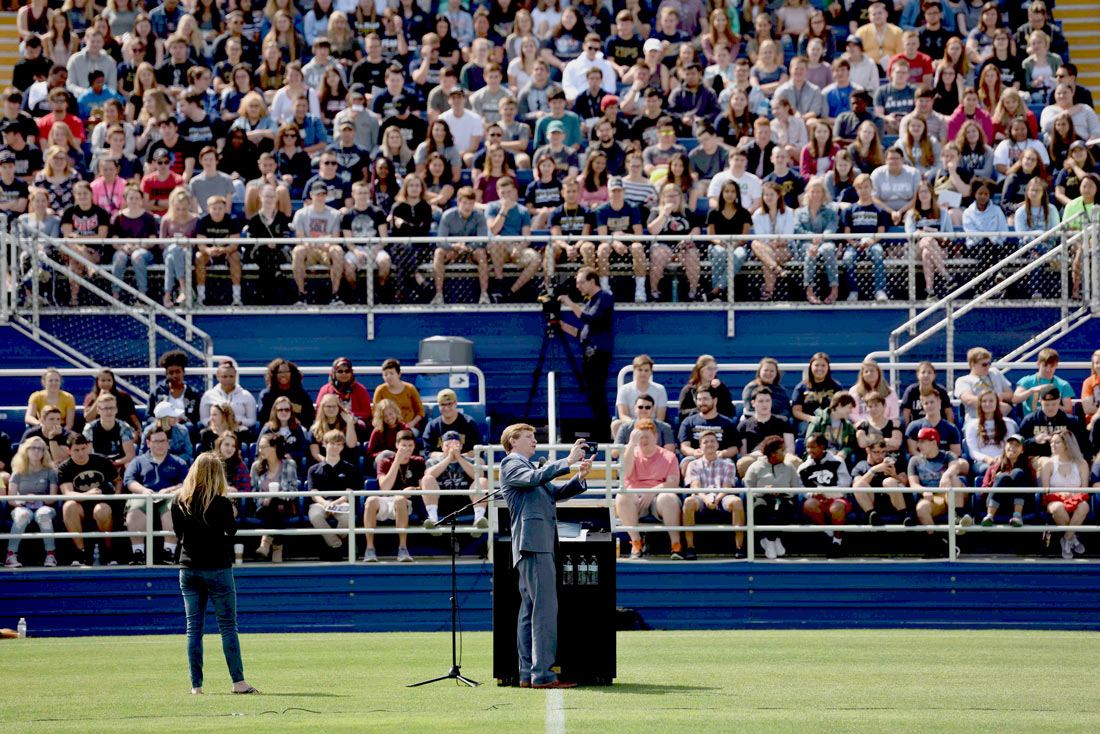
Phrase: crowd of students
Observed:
(327, 119)
(823, 447)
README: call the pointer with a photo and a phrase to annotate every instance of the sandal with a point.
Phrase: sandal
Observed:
(250, 689)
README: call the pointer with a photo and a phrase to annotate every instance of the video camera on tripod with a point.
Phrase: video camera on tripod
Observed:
(548, 299)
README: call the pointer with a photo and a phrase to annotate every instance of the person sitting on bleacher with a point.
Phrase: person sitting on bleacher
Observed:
(646, 465)
(272, 472)
(228, 391)
(644, 407)
(712, 473)
(1066, 470)
(156, 472)
(91, 475)
(34, 473)
(463, 220)
(450, 418)
(401, 470)
(832, 423)
(1029, 387)
(281, 419)
(450, 469)
(950, 439)
(770, 469)
(879, 470)
(931, 468)
(350, 393)
(165, 418)
(824, 470)
(111, 437)
(333, 473)
(218, 223)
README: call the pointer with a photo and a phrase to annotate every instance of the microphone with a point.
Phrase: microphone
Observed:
(541, 462)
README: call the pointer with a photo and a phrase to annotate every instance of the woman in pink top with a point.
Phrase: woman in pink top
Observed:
(593, 180)
(108, 190)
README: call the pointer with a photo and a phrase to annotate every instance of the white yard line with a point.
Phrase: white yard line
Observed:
(555, 712)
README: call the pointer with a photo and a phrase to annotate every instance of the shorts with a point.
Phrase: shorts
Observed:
(163, 504)
(1070, 500)
(386, 511)
(317, 255)
(521, 254)
(643, 503)
(826, 502)
(359, 255)
(88, 506)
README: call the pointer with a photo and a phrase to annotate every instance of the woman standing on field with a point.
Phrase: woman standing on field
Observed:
(205, 525)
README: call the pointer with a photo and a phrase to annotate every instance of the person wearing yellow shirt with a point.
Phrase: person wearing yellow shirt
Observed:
(881, 40)
(403, 393)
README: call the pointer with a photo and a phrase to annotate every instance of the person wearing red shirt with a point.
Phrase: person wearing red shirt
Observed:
(352, 394)
(920, 63)
(59, 112)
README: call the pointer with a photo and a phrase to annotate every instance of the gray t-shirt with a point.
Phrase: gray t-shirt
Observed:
(452, 224)
(707, 166)
(486, 104)
(628, 394)
(895, 191)
(202, 188)
(994, 381)
(37, 482)
(450, 154)
(308, 223)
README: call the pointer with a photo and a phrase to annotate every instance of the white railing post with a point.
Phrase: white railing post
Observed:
(731, 326)
(949, 343)
(150, 524)
(552, 412)
(951, 517)
(5, 243)
(750, 523)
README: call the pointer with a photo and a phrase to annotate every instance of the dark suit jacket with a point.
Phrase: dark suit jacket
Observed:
(531, 499)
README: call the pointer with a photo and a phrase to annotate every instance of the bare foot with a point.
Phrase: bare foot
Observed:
(831, 298)
(243, 687)
(811, 296)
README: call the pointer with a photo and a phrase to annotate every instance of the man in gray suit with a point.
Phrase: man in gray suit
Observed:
(531, 499)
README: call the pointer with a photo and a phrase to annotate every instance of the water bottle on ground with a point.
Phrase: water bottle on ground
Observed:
(95, 555)
(21, 629)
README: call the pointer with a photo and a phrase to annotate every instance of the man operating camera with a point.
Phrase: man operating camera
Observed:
(597, 344)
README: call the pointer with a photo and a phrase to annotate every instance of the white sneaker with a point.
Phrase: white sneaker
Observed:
(437, 300)
(852, 297)
(403, 556)
(769, 549)
(1078, 546)
(1067, 549)
(480, 524)
(483, 299)
(779, 549)
(51, 560)
(639, 295)
(964, 522)
(12, 561)
(370, 556)
(880, 296)
(237, 301)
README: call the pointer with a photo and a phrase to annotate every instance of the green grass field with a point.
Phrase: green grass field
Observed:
(758, 681)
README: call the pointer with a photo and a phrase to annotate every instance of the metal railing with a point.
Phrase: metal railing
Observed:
(27, 313)
(729, 253)
(1076, 231)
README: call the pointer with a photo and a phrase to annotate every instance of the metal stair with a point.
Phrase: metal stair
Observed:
(1081, 25)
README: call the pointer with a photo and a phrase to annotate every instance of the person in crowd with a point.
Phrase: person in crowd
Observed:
(174, 388)
(983, 218)
(333, 474)
(929, 469)
(705, 374)
(833, 424)
(51, 395)
(332, 415)
(229, 391)
(282, 420)
(133, 223)
(1038, 426)
(982, 376)
(707, 418)
(110, 437)
(879, 471)
(815, 390)
(92, 476)
(985, 436)
(218, 224)
(877, 426)
(712, 473)
(206, 526)
(824, 471)
(154, 472)
(768, 375)
(272, 471)
(924, 219)
(462, 220)
(646, 465)
(641, 384)
(729, 215)
(645, 407)
(776, 219)
(383, 438)
(949, 436)
(771, 470)
(1029, 387)
(819, 217)
(1064, 477)
(404, 394)
(284, 379)
(911, 409)
(759, 424)
(1008, 470)
(401, 469)
(864, 217)
(672, 217)
(318, 221)
(82, 220)
(1090, 389)
(167, 418)
(178, 221)
(872, 381)
(350, 393)
(51, 430)
(33, 473)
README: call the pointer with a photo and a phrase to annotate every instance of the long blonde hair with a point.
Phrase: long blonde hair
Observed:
(321, 426)
(380, 408)
(178, 211)
(204, 481)
(882, 387)
(20, 464)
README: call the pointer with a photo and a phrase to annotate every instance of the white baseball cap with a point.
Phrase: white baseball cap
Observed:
(165, 409)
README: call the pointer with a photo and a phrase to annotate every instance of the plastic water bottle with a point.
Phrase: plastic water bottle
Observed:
(582, 572)
(95, 554)
(21, 628)
(675, 290)
(594, 572)
(567, 572)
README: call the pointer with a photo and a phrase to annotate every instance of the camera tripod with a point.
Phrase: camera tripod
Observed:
(552, 334)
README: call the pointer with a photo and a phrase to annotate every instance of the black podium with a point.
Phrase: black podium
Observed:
(586, 605)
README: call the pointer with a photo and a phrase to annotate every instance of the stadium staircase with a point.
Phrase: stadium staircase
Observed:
(9, 47)
(1080, 21)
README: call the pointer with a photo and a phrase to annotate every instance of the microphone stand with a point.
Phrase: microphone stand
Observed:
(455, 672)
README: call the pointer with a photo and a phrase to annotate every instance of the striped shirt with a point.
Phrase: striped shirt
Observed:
(712, 474)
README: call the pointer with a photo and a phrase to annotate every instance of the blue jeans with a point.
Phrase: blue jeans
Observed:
(716, 255)
(875, 254)
(199, 585)
(175, 266)
(826, 254)
(140, 260)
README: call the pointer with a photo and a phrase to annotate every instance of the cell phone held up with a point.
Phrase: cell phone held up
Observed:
(590, 449)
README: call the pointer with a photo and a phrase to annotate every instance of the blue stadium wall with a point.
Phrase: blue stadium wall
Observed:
(705, 595)
(506, 344)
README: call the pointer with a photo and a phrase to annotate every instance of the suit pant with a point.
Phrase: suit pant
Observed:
(538, 617)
